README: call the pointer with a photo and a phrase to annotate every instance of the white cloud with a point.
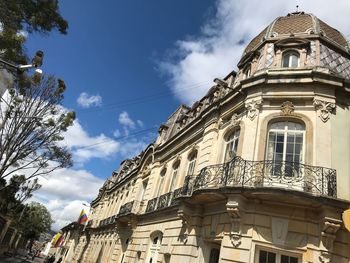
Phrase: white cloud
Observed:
(132, 146)
(65, 191)
(85, 147)
(126, 121)
(216, 51)
(117, 133)
(86, 101)
(127, 124)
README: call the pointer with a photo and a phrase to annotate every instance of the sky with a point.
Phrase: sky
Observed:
(129, 64)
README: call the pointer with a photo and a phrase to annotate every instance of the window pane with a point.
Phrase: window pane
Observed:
(284, 259)
(293, 260)
(294, 61)
(280, 137)
(299, 138)
(279, 148)
(262, 257)
(290, 148)
(286, 61)
(271, 257)
(214, 255)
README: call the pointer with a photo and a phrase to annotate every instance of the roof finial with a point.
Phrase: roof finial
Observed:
(297, 8)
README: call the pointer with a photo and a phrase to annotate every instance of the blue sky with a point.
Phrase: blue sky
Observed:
(129, 64)
(111, 50)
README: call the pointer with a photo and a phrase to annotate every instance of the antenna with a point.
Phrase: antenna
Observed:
(297, 8)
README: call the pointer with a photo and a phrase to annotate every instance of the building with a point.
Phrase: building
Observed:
(256, 171)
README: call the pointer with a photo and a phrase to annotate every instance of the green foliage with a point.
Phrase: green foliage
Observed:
(34, 220)
(40, 16)
(12, 194)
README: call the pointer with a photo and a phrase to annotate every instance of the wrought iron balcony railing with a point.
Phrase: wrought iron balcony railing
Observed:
(89, 223)
(107, 221)
(163, 201)
(126, 208)
(238, 172)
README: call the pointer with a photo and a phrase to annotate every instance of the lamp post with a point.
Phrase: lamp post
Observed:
(36, 62)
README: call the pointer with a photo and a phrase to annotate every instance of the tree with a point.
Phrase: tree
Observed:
(15, 193)
(31, 16)
(32, 123)
(34, 220)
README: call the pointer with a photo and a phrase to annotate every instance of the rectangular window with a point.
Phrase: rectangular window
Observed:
(173, 179)
(264, 256)
(143, 190)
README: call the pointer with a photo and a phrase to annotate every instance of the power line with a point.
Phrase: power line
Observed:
(154, 96)
(118, 138)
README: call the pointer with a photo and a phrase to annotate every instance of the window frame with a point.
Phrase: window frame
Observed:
(174, 176)
(279, 253)
(286, 131)
(228, 142)
(161, 180)
(192, 159)
(283, 167)
(290, 53)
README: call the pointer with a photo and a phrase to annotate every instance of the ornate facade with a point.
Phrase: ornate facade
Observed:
(256, 171)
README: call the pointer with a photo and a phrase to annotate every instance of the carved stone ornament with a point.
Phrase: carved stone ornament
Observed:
(232, 208)
(235, 119)
(324, 108)
(330, 228)
(183, 237)
(287, 108)
(253, 107)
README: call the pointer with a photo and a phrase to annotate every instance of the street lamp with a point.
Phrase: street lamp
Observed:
(37, 61)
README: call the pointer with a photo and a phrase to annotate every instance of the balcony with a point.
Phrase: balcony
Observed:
(314, 180)
(163, 201)
(90, 223)
(126, 208)
(107, 221)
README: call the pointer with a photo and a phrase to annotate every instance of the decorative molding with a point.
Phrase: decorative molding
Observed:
(236, 119)
(324, 108)
(183, 237)
(234, 212)
(287, 108)
(328, 235)
(253, 107)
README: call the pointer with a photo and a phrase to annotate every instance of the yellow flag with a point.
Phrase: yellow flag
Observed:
(55, 238)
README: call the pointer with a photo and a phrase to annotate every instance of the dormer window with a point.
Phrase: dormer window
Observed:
(290, 60)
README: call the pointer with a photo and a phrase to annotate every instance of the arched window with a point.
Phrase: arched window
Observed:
(285, 147)
(161, 181)
(246, 72)
(191, 163)
(154, 247)
(290, 60)
(231, 145)
(174, 176)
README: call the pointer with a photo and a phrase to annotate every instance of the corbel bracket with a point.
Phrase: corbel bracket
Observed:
(235, 212)
(328, 235)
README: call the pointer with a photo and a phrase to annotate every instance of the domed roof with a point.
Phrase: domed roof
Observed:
(298, 23)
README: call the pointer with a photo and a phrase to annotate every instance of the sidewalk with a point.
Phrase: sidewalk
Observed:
(20, 259)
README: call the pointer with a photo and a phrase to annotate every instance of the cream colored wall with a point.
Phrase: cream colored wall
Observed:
(340, 148)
